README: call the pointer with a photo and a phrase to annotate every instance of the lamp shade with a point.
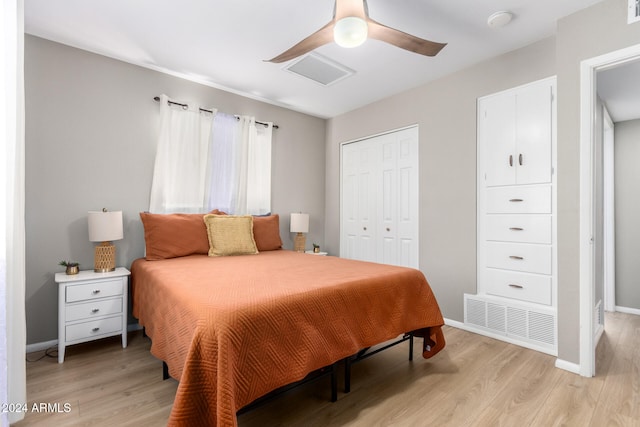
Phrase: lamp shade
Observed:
(299, 223)
(105, 226)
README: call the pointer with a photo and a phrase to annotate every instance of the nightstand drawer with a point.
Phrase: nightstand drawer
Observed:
(95, 328)
(522, 286)
(91, 309)
(86, 291)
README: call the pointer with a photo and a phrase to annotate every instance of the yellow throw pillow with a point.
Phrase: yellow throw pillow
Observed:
(230, 235)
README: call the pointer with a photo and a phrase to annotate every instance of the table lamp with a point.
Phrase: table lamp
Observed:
(105, 227)
(299, 225)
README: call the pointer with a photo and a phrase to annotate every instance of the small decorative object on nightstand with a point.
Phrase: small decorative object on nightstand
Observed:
(90, 306)
(316, 253)
(71, 267)
(299, 225)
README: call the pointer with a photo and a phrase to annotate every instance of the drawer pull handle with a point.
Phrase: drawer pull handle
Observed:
(95, 291)
(511, 160)
(516, 228)
(95, 329)
(516, 200)
(512, 285)
(95, 310)
(516, 257)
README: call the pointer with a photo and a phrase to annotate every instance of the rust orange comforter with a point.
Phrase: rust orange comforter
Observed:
(231, 329)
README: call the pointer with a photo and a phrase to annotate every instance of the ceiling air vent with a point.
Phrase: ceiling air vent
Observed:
(319, 69)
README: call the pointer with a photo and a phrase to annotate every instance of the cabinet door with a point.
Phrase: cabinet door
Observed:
(497, 138)
(533, 133)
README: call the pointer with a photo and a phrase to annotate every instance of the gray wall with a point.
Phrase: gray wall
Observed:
(627, 208)
(91, 126)
(594, 31)
(445, 111)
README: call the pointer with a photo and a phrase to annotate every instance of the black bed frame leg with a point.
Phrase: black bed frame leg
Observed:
(165, 371)
(347, 374)
(410, 346)
(144, 332)
(334, 382)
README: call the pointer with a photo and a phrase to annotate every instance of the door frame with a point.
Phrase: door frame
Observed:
(588, 97)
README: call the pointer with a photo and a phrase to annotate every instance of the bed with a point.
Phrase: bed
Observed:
(233, 328)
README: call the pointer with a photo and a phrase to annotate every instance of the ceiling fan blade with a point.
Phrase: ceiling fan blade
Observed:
(321, 37)
(403, 40)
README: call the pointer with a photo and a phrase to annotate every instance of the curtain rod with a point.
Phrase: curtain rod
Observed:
(185, 106)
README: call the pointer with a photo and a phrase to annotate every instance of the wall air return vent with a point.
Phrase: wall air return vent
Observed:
(320, 69)
(634, 11)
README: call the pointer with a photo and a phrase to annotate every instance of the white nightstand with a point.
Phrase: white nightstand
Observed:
(91, 306)
(316, 253)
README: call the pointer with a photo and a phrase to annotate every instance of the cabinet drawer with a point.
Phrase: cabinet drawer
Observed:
(94, 328)
(519, 199)
(91, 309)
(521, 286)
(519, 228)
(86, 291)
(519, 257)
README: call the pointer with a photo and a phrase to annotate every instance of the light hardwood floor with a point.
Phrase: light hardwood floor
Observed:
(474, 381)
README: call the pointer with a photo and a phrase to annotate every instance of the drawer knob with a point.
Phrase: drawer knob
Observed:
(513, 285)
(95, 329)
(516, 257)
(516, 200)
(95, 291)
(95, 310)
(516, 228)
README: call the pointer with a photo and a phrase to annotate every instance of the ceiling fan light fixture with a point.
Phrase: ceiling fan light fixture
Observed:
(350, 31)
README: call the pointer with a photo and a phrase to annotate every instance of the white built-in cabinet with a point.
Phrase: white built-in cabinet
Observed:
(516, 216)
(379, 198)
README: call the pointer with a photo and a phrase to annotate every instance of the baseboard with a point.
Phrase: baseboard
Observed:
(568, 366)
(628, 310)
(454, 323)
(40, 346)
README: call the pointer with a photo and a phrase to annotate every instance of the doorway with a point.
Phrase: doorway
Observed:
(592, 258)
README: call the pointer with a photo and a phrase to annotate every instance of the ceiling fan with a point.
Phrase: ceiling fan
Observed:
(351, 26)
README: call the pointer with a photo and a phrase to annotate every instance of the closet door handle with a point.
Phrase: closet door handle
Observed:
(388, 229)
(519, 258)
(364, 228)
(516, 200)
(520, 159)
(513, 285)
(516, 228)
(511, 160)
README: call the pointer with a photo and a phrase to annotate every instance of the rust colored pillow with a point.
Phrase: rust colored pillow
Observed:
(174, 235)
(266, 232)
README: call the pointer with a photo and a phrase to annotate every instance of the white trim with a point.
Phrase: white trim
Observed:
(588, 69)
(628, 310)
(608, 161)
(568, 366)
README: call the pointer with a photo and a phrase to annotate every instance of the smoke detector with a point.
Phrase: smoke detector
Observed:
(499, 19)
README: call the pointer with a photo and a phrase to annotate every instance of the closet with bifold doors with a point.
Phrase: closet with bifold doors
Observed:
(516, 218)
(379, 198)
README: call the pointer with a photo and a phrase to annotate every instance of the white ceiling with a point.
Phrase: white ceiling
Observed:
(223, 43)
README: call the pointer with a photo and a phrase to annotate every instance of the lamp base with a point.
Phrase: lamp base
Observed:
(104, 259)
(299, 242)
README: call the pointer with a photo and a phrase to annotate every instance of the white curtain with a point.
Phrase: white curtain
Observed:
(239, 167)
(181, 159)
(12, 232)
